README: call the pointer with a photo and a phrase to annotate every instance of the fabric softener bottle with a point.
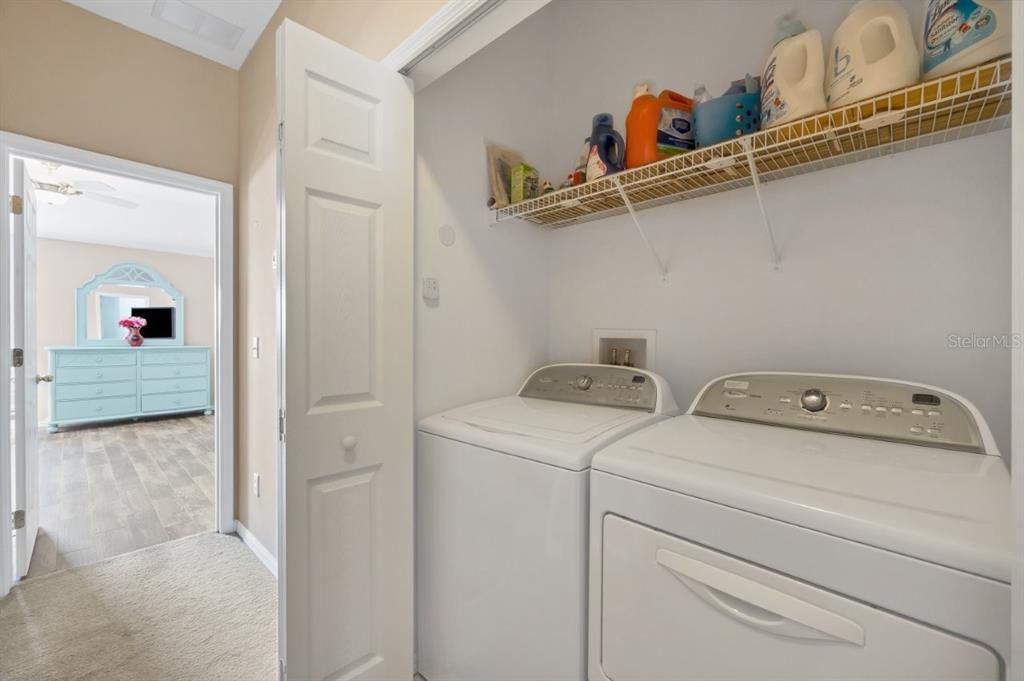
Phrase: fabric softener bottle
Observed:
(607, 150)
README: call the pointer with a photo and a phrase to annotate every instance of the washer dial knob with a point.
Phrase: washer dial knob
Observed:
(813, 400)
(584, 382)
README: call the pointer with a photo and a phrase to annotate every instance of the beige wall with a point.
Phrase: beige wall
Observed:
(373, 29)
(63, 266)
(70, 76)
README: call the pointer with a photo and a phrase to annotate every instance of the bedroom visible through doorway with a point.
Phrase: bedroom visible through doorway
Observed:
(117, 442)
(126, 444)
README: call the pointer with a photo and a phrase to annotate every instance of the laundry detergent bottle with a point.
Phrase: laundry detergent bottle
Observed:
(959, 34)
(607, 150)
(873, 52)
(793, 84)
(658, 127)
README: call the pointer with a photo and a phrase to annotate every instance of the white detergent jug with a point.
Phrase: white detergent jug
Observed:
(873, 52)
(959, 34)
(793, 82)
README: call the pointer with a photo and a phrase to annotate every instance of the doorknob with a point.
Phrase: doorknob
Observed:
(44, 379)
(349, 441)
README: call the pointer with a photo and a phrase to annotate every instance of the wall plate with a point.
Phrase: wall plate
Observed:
(642, 344)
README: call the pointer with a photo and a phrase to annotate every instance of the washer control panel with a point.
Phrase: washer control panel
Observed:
(602, 385)
(848, 405)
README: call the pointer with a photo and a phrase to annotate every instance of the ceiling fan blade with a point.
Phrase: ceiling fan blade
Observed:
(93, 186)
(123, 203)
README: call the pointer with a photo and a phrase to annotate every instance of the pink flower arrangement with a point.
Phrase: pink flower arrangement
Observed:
(134, 323)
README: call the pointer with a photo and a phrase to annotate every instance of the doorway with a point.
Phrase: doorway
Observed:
(139, 436)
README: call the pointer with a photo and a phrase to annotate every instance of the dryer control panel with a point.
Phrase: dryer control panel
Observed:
(847, 405)
(598, 384)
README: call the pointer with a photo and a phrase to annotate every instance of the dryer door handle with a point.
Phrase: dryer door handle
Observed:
(758, 605)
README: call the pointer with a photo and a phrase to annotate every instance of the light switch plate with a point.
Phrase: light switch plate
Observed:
(431, 289)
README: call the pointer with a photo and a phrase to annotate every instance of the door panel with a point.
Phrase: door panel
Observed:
(26, 410)
(346, 229)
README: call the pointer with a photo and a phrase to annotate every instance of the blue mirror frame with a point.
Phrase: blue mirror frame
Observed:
(128, 274)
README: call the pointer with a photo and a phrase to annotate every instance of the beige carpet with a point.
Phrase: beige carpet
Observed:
(202, 607)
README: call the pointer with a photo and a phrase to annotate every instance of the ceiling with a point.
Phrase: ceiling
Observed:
(221, 30)
(121, 211)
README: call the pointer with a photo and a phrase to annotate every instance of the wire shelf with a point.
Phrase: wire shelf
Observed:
(966, 103)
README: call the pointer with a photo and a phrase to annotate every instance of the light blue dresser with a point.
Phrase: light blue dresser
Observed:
(106, 384)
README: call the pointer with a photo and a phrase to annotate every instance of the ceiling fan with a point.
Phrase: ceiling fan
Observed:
(59, 192)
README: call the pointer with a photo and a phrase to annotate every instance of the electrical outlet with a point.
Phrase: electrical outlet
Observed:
(256, 484)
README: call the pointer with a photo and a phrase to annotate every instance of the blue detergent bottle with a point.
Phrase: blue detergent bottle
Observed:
(607, 150)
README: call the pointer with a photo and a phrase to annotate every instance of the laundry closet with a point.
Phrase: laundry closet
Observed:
(871, 247)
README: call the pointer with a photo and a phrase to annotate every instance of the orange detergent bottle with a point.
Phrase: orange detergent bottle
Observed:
(658, 127)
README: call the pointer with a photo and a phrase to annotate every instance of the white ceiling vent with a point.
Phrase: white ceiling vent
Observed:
(194, 20)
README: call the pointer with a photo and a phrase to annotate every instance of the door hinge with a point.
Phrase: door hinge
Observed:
(17, 204)
(280, 670)
(18, 520)
(17, 358)
(280, 133)
(281, 423)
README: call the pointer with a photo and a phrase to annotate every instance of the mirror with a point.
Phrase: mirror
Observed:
(129, 290)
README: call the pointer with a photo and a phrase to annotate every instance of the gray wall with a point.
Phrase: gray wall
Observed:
(882, 260)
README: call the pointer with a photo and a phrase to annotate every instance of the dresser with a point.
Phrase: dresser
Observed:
(93, 383)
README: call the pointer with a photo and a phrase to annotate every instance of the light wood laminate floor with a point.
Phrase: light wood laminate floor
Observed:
(111, 489)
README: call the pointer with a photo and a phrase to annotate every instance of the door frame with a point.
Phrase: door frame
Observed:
(224, 342)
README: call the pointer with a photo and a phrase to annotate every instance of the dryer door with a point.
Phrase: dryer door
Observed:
(674, 610)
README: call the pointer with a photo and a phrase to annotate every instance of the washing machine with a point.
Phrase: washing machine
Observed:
(796, 526)
(501, 521)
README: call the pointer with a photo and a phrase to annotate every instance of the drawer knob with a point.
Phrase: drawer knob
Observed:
(99, 410)
(349, 442)
(99, 391)
(99, 375)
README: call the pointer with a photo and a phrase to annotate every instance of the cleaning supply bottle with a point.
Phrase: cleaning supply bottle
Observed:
(657, 127)
(793, 83)
(959, 34)
(642, 127)
(873, 52)
(607, 150)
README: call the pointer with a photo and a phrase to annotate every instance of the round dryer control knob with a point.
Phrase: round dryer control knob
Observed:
(813, 400)
(584, 382)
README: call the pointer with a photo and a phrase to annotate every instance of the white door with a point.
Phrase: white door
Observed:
(26, 415)
(345, 173)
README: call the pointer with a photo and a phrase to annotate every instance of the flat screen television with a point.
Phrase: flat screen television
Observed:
(159, 321)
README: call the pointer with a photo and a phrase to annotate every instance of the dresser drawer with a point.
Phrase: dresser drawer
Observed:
(98, 408)
(155, 386)
(172, 401)
(115, 358)
(95, 374)
(81, 391)
(174, 371)
(174, 356)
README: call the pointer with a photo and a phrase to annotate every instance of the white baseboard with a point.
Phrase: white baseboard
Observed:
(261, 552)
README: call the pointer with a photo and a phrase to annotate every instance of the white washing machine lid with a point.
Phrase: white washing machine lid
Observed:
(947, 507)
(562, 434)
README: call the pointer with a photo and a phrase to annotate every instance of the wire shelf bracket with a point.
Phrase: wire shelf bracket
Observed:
(776, 259)
(663, 273)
